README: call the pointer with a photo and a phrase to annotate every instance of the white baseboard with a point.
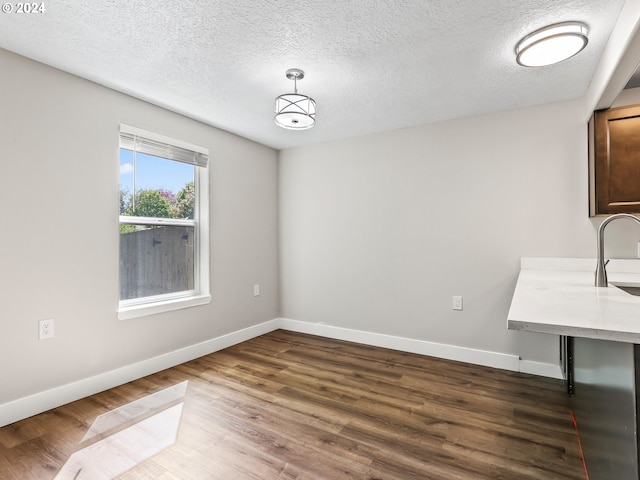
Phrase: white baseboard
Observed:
(541, 369)
(42, 401)
(422, 347)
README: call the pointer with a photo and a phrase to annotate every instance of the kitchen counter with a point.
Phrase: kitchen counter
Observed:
(558, 296)
(599, 330)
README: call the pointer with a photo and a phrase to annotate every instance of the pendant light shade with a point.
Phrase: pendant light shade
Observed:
(295, 111)
(552, 44)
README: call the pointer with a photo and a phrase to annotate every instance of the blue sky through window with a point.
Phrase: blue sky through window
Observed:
(153, 173)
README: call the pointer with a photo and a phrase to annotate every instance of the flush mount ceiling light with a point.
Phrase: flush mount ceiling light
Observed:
(552, 44)
(295, 111)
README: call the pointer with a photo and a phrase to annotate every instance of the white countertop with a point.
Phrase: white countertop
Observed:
(558, 296)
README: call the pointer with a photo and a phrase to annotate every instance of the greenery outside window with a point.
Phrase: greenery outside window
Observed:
(164, 233)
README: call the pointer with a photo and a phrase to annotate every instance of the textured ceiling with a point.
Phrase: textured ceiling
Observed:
(371, 65)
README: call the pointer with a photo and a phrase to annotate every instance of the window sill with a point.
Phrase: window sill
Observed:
(143, 310)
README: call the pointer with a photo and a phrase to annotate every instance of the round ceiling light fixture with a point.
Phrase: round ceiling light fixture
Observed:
(552, 44)
(295, 111)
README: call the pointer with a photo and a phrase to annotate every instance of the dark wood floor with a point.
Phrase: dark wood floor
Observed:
(293, 406)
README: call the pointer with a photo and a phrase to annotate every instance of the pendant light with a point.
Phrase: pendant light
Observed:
(552, 44)
(295, 111)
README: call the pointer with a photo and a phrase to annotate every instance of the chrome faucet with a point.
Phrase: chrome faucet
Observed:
(601, 271)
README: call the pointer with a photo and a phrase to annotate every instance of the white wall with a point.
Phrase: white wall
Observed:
(627, 97)
(377, 233)
(59, 236)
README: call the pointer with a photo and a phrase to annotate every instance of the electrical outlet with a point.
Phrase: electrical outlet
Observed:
(45, 329)
(457, 302)
(256, 290)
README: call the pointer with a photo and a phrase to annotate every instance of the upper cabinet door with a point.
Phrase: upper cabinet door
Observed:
(615, 161)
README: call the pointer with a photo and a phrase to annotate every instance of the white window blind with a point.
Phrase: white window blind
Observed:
(132, 139)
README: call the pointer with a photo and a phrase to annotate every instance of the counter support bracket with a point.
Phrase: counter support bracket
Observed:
(567, 361)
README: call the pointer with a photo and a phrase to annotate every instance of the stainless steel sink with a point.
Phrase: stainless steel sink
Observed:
(632, 290)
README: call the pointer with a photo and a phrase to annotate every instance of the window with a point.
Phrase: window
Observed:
(164, 261)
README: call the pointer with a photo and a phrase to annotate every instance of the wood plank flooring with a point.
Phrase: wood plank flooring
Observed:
(294, 406)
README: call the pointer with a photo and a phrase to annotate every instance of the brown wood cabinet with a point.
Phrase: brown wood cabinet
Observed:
(614, 161)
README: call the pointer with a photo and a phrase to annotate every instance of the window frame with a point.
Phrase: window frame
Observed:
(200, 295)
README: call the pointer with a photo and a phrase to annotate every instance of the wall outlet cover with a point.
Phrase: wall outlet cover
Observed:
(457, 302)
(45, 328)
